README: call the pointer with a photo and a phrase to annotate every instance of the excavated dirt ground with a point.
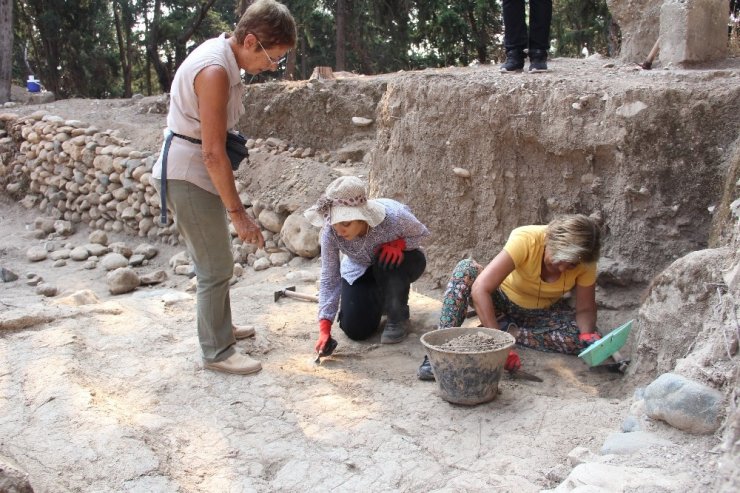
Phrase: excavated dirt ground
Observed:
(112, 396)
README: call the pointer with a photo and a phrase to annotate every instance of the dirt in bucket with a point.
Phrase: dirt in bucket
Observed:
(473, 343)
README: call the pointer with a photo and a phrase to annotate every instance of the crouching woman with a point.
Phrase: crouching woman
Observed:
(522, 289)
(381, 242)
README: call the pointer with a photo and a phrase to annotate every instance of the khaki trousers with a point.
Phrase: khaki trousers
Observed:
(201, 220)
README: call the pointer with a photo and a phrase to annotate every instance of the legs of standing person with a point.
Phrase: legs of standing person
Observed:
(515, 35)
(540, 17)
(200, 219)
(550, 329)
(456, 299)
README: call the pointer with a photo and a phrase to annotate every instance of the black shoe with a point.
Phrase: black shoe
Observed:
(425, 370)
(514, 61)
(394, 332)
(537, 60)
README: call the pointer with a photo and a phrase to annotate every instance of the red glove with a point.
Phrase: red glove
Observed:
(513, 362)
(324, 334)
(588, 339)
(390, 255)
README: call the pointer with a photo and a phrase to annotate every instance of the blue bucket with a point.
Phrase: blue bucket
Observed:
(33, 86)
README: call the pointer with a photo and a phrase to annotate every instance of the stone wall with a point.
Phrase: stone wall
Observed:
(79, 173)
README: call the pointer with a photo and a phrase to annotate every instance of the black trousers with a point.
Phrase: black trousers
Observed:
(515, 26)
(377, 291)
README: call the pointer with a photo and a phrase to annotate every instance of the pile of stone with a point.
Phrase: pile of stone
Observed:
(78, 173)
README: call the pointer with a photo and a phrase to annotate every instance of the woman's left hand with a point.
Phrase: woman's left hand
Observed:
(588, 339)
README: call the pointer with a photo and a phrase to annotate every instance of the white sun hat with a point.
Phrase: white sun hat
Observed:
(345, 199)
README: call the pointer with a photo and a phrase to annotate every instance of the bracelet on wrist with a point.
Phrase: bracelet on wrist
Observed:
(236, 209)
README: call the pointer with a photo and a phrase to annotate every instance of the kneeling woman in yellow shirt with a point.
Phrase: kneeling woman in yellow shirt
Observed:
(522, 288)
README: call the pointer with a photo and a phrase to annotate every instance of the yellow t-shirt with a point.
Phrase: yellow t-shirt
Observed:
(524, 286)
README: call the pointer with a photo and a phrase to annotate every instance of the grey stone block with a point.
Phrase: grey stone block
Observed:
(687, 405)
(693, 31)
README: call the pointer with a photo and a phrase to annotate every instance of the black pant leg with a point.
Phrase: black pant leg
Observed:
(540, 17)
(515, 27)
(396, 283)
(360, 307)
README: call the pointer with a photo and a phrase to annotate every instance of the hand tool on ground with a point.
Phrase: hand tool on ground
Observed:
(291, 293)
(329, 348)
(523, 375)
(648, 63)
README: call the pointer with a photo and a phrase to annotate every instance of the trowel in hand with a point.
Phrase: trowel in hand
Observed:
(329, 348)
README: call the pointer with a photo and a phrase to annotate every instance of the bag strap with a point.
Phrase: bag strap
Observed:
(163, 187)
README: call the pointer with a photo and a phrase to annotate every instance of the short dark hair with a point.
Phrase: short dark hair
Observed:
(270, 21)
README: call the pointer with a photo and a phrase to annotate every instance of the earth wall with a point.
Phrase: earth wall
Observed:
(648, 151)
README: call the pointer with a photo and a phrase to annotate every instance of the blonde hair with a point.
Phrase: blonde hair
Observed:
(573, 238)
(270, 21)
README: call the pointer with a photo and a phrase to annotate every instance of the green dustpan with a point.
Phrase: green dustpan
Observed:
(607, 345)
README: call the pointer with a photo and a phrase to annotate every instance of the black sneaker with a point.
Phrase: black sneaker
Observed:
(394, 332)
(514, 61)
(425, 370)
(537, 60)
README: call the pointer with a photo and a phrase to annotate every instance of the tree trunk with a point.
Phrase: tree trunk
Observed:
(341, 19)
(123, 51)
(6, 48)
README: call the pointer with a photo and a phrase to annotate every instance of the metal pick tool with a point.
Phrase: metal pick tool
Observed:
(329, 348)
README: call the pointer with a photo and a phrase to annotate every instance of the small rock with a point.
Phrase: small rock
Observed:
(98, 237)
(79, 253)
(8, 275)
(238, 270)
(122, 280)
(90, 264)
(47, 290)
(114, 261)
(261, 264)
(359, 121)
(280, 258)
(60, 254)
(185, 270)
(120, 248)
(146, 250)
(136, 260)
(59, 263)
(153, 277)
(36, 253)
(63, 228)
(181, 258)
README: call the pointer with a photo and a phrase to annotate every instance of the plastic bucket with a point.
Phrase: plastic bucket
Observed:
(33, 86)
(469, 377)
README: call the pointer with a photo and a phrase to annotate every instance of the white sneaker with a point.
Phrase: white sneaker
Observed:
(237, 363)
(243, 331)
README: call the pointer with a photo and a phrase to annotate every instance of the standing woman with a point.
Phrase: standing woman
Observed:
(521, 290)
(206, 101)
(380, 240)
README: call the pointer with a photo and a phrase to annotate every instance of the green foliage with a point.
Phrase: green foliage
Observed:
(75, 49)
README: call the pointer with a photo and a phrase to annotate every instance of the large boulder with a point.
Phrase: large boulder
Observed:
(300, 237)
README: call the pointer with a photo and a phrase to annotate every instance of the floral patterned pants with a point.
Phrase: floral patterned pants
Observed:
(550, 329)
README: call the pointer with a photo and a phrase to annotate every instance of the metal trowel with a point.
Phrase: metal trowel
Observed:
(329, 348)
